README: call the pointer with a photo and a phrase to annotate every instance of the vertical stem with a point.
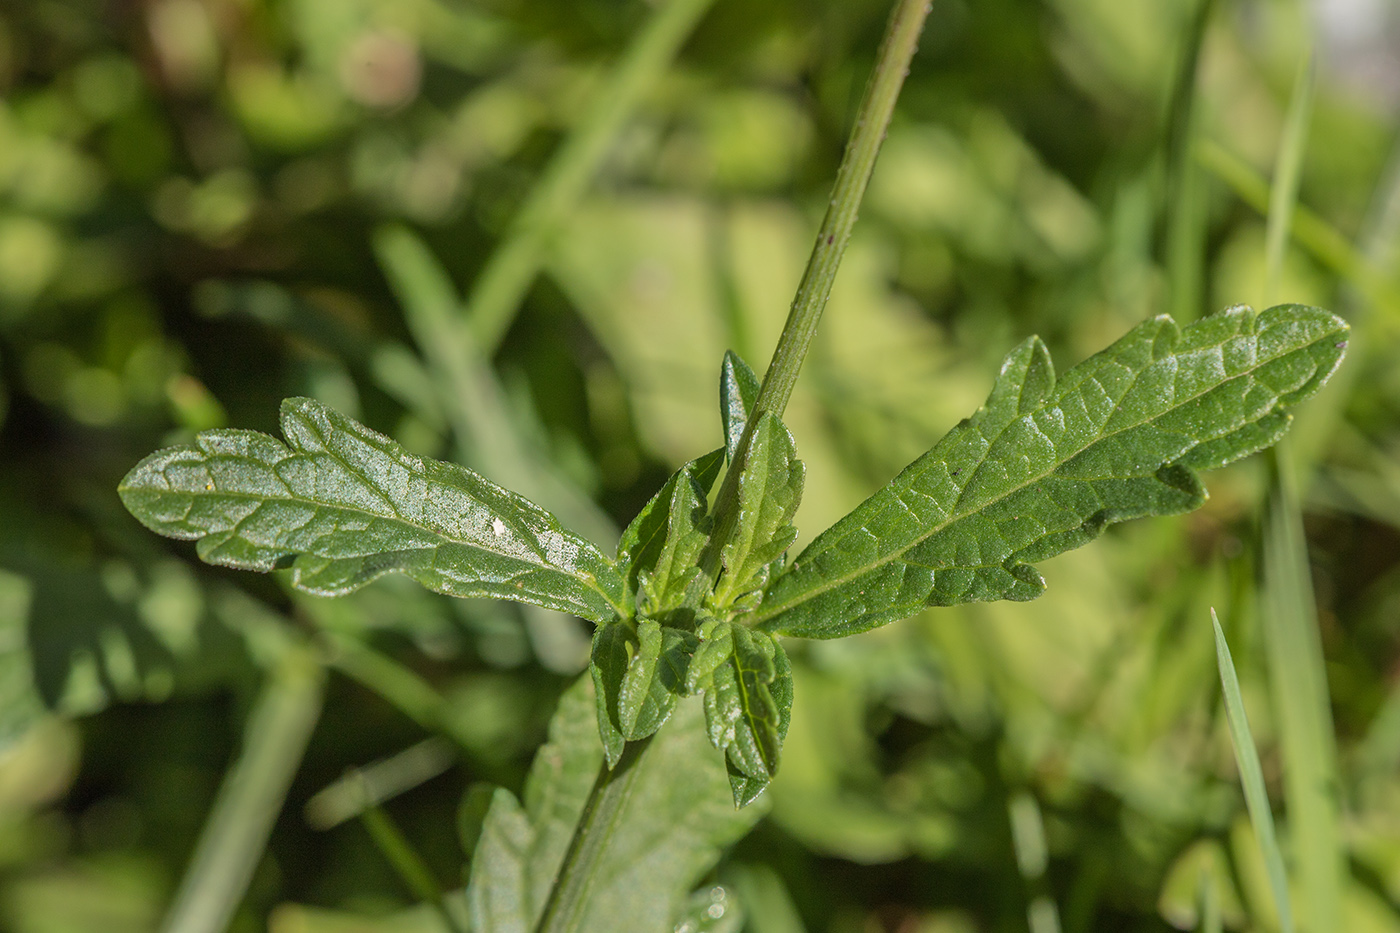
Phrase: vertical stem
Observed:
(872, 120)
(568, 895)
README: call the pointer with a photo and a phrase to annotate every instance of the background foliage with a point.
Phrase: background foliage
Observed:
(203, 209)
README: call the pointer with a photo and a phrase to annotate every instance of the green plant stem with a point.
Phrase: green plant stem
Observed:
(569, 894)
(503, 281)
(236, 834)
(872, 121)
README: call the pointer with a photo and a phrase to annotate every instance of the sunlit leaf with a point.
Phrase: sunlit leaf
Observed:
(342, 505)
(1045, 466)
(770, 488)
(748, 703)
(738, 390)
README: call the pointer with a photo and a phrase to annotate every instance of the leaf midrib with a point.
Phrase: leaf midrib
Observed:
(764, 614)
(588, 579)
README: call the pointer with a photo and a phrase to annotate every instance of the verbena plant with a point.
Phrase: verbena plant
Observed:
(701, 588)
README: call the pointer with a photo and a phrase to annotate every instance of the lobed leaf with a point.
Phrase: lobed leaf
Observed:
(341, 505)
(1045, 466)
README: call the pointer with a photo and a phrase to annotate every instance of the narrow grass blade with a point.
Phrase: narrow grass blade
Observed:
(1288, 169)
(1298, 679)
(236, 833)
(412, 870)
(1256, 797)
(1323, 241)
(1297, 670)
(503, 282)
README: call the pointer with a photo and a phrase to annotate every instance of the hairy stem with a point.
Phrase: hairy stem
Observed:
(872, 120)
(569, 894)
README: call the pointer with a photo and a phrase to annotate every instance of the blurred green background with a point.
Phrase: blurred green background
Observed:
(209, 205)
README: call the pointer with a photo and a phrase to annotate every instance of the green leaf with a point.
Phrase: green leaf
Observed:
(670, 832)
(643, 540)
(612, 651)
(675, 580)
(770, 488)
(748, 704)
(655, 679)
(738, 390)
(343, 505)
(1044, 466)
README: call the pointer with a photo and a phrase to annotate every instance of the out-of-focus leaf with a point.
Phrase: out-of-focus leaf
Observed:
(344, 505)
(1044, 466)
(677, 821)
(770, 488)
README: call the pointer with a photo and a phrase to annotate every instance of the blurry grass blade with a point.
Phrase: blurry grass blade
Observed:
(1288, 170)
(1302, 705)
(1184, 193)
(409, 865)
(1256, 795)
(1310, 231)
(343, 505)
(486, 433)
(1211, 920)
(1045, 466)
(377, 782)
(512, 267)
(232, 842)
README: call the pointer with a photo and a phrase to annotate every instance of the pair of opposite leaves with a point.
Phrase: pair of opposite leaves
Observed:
(1045, 465)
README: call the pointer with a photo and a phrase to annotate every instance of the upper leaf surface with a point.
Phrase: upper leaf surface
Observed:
(770, 488)
(738, 390)
(345, 505)
(1044, 466)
